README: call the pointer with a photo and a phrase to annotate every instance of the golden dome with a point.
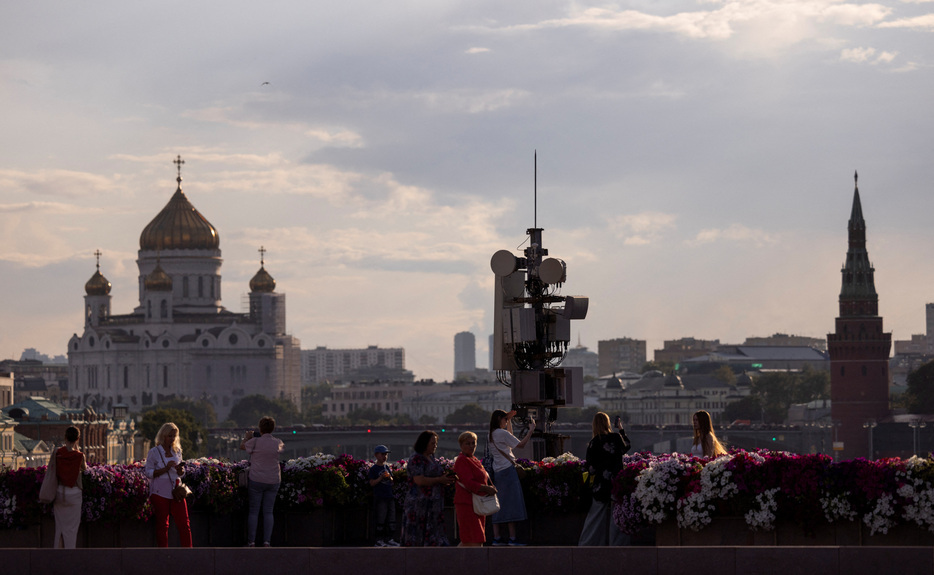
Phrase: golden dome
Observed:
(97, 285)
(262, 282)
(179, 226)
(158, 280)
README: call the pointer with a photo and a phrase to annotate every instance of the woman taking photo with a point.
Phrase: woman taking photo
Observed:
(505, 476)
(264, 478)
(164, 469)
(423, 512)
(471, 478)
(67, 463)
(705, 440)
(604, 461)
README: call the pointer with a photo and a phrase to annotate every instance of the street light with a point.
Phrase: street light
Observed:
(915, 425)
(870, 425)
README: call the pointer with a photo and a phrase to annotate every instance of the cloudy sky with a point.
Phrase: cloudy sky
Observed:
(695, 159)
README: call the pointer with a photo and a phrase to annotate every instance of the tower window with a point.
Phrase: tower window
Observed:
(164, 309)
(200, 286)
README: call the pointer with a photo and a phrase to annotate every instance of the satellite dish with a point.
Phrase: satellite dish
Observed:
(503, 263)
(553, 271)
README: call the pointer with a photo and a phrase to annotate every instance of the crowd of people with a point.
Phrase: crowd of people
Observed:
(476, 482)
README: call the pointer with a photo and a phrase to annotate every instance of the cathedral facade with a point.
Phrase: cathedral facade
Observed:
(180, 342)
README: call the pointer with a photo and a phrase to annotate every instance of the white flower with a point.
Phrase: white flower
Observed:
(764, 517)
(879, 520)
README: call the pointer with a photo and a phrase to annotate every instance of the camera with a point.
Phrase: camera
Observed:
(257, 434)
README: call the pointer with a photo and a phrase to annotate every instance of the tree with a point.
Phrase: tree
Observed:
(776, 391)
(190, 431)
(200, 409)
(470, 413)
(248, 411)
(427, 420)
(367, 416)
(748, 407)
(313, 397)
(665, 367)
(920, 392)
(725, 374)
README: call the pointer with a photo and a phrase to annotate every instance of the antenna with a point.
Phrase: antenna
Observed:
(535, 184)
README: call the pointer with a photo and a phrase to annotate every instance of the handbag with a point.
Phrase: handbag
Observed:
(50, 482)
(181, 491)
(483, 505)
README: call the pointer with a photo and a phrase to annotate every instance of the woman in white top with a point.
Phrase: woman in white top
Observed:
(164, 469)
(264, 477)
(706, 443)
(505, 477)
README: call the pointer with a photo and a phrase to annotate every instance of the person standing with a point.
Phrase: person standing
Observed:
(706, 443)
(164, 469)
(68, 464)
(604, 461)
(384, 504)
(423, 517)
(472, 478)
(505, 477)
(264, 478)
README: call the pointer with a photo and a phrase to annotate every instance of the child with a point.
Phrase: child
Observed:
(380, 476)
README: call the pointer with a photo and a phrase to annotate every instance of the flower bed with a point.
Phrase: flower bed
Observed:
(763, 488)
(766, 487)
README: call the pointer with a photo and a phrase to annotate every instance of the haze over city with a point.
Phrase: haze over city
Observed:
(695, 160)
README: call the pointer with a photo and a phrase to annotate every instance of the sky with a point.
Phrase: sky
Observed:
(695, 160)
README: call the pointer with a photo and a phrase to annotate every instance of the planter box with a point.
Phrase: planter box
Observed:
(733, 532)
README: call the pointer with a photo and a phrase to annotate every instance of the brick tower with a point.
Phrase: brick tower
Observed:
(859, 349)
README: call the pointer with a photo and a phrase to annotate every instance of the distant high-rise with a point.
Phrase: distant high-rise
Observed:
(465, 353)
(621, 354)
(859, 349)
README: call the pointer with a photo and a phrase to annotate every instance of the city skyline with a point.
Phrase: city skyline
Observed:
(695, 160)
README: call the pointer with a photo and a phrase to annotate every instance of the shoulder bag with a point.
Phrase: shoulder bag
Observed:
(181, 491)
(50, 482)
(483, 505)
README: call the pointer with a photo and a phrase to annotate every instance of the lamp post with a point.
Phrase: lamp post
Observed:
(915, 425)
(870, 425)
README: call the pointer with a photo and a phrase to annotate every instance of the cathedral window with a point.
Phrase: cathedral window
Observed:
(126, 376)
(164, 309)
(185, 286)
(165, 376)
(149, 309)
(200, 286)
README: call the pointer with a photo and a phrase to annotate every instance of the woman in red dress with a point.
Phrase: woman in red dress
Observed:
(471, 478)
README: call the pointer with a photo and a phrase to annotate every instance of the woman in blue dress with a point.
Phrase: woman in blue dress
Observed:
(423, 512)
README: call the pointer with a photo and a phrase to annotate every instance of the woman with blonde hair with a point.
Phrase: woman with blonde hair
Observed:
(604, 462)
(164, 469)
(706, 443)
(471, 478)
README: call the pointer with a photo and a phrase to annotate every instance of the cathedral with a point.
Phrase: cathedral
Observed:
(180, 342)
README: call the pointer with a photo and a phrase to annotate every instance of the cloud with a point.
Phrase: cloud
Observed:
(925, 22)
(40, 208)
(733, 233)
(65, 183)
(721, 23)
(472, 101)
(643, 228)
(476, 50)
(866, 56)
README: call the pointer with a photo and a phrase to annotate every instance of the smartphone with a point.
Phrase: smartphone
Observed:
(616, 422)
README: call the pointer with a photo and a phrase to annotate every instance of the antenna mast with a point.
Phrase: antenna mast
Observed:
(535, 189)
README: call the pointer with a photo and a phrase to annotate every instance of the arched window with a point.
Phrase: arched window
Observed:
(164, 309)
(185, 286)
(126, 376)
(200, 286)
(149, 309)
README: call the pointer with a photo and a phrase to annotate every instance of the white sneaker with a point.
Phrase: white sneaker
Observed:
(380, 543)
(391, 543)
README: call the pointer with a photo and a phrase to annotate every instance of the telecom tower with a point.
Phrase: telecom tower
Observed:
(532, 333)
